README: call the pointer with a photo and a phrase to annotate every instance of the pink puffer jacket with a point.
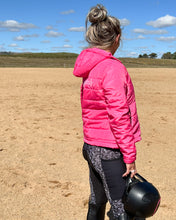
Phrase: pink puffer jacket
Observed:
(108, 102)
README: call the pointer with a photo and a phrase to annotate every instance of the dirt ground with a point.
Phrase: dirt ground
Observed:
(42, 173)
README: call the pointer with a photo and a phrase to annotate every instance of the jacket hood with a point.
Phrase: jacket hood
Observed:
(88, 59)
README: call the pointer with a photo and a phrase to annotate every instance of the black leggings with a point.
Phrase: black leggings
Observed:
(106, 168)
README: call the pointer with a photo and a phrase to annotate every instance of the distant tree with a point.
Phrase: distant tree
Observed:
(167, 55)
(174, 55)
(143, 56)
(153, 55)
(5, 53)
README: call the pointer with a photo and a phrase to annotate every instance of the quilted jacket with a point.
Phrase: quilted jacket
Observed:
(109, 111)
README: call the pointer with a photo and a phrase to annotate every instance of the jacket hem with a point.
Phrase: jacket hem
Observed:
(101, 143)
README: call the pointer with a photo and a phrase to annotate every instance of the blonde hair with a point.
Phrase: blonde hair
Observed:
(103, 30)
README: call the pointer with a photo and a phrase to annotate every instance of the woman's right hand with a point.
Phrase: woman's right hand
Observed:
(130, 168)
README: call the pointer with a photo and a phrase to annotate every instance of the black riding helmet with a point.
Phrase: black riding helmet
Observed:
(141, 198)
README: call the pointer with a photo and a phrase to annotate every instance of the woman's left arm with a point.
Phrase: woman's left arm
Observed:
(115, 91)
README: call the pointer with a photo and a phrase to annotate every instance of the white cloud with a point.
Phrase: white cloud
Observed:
(55, 48)
(13, 45)
(135, 38)
(22, 49)
(83, 47)
(144, 31)
(60, 21)
(161, 22)
(144, 47)
(67, 12)
(30, 35)
(141, 37)
(124, 22)
(125, 38)
(167, 39)
(49, 27)
(2, 47)
(54, 34)
(77, 29)
(19, 38)
(34, 49)
(24, 37)
(132, 54)
(45, 41)
(12, 25)
(126, 53)
(67, 46)
(145, 51)
(82, 42)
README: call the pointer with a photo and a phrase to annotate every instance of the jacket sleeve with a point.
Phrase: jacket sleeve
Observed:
(115, 91)
(133, 109)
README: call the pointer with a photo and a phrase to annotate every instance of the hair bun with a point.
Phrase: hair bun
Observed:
(97, 14)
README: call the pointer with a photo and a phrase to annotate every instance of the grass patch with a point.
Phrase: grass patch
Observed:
(67, 60)
(60, 60)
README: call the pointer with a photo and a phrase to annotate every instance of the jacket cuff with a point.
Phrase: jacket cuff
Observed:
(129, 160)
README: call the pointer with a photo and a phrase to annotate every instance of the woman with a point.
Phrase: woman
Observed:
(110, 121)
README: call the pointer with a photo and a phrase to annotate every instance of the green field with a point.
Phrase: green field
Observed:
(67, 60)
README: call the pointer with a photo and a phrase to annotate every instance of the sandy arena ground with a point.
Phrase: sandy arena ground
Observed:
(42, 173)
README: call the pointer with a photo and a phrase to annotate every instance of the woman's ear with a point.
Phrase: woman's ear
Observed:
(115, 44)
(117, 39)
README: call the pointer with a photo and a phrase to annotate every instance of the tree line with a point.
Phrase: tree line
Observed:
(167, 55)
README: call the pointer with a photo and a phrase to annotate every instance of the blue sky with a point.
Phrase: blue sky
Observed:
(58, 26)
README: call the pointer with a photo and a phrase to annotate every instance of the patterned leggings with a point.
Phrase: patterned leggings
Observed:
(106, 167)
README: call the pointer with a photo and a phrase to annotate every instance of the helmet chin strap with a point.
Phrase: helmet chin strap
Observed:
(140, 178)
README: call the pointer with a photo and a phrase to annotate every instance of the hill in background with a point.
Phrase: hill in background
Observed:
(67, 60)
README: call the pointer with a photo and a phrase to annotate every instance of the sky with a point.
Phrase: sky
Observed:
(148, 26)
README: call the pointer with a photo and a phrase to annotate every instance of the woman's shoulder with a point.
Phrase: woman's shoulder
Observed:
(113, 64)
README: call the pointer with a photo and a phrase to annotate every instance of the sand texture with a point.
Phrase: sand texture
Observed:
(43, 175)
